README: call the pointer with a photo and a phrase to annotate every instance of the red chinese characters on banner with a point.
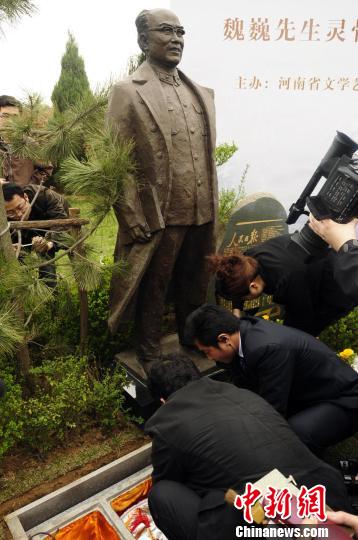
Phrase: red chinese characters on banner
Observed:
(312, 502)
(246, 501)
(279, 503)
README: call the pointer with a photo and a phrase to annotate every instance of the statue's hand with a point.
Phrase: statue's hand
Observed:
(139, 234)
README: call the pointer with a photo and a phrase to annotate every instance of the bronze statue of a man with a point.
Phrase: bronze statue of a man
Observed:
(168, 211)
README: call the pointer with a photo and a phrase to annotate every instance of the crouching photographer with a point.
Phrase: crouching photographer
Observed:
(299, 269)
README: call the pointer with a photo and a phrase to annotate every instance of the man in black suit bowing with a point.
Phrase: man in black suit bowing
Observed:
(209, 436)
(300, 376)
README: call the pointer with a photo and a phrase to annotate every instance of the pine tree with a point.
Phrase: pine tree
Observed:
(11, 10)
(73, 84)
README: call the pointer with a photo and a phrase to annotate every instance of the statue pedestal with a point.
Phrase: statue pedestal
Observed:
(137, 388)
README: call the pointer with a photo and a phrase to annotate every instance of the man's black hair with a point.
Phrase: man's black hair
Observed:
(8, 101)
(10, 190)
(206, 323)
(171, 373)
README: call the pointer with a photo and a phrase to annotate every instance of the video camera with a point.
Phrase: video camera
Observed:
(338, 198)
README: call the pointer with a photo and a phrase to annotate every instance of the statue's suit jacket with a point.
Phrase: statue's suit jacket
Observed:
(138, 111)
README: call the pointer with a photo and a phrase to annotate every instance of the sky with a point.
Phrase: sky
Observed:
(105, 32)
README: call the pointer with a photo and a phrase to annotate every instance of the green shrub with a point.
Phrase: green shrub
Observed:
(59, 403)
(106, 400)
(11, 413)
(224, 152)
(228, 199)
(101, 343)
(56, 327)
(71, 395)
(343, 334)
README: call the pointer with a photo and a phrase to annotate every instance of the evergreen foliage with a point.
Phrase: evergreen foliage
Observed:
(11, 332)
(91, 162)
(19, 286)
(108, 166)
(23, 132)
(66, 134)
(11, 10)
(73, 84)
(224, 152)
(38, 135)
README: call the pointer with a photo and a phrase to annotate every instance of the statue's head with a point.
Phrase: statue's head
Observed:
(161, 37)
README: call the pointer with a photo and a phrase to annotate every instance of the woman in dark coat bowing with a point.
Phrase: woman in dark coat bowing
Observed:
(303, 284)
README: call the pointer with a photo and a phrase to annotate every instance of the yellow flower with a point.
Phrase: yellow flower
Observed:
(266, 317)
(346, 354)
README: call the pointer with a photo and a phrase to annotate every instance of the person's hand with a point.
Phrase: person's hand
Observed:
(335, 234)
(139, 234)
(41, 245)
(3, 181)
(343, 518)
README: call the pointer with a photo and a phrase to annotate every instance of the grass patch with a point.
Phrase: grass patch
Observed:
(103, 239)
(16, 481)
(100, 244)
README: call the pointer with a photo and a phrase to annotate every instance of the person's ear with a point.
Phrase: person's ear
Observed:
(143, 41)
(26, 197)
(253, 287)
(224, 339)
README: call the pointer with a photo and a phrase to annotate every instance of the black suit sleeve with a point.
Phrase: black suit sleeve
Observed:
(296, 296)
(165, 460)
(346, 269)
(274, 374)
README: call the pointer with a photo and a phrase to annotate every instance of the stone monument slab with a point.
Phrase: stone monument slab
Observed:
(256, 218)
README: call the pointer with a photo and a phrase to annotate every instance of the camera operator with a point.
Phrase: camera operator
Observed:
(299, 270)
(343, 239)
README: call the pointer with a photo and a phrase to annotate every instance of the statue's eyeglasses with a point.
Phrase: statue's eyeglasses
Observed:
(168, 30)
